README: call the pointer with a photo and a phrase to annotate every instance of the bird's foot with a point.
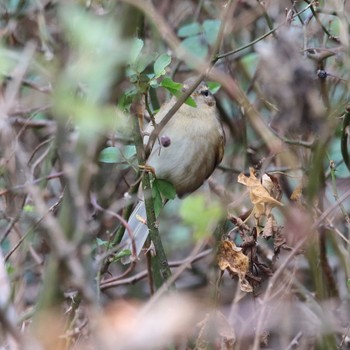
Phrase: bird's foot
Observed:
(148, 168)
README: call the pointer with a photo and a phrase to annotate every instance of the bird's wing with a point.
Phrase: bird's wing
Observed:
(137, 224)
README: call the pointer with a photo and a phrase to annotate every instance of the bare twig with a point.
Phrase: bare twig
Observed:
(52, 209)
(131, 235)
(25, 82)
(34, 182)
(114, 282)
(294, 344)
(262, 37)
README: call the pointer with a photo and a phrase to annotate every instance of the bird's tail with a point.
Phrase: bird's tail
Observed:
(139, 229)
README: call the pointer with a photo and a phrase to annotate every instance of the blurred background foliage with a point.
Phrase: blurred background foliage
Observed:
(79, 80)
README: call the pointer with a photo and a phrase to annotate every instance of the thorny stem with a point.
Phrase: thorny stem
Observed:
(160, 268)
(159, 263)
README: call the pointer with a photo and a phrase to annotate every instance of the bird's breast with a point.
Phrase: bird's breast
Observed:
(192, 154)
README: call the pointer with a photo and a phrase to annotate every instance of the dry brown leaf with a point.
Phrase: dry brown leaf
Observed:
(259, 195)
(271, 183)
(245, 286)
(266, 181)
(230, 257)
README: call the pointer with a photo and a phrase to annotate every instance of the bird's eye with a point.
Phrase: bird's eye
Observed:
(205, 92)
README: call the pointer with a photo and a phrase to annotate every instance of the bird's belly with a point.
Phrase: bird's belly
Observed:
(186, 163)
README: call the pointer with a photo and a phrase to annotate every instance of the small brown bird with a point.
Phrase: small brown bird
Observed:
(188, 149)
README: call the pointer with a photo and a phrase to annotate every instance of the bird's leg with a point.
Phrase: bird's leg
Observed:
(148, 168)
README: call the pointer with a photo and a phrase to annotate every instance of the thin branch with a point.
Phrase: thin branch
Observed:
(31, 110)
(293, 142)
(12, 222)
(180, 101)
(52, 209)
(176, 274)
(325, 30)
(34, 182)
(205, 70)
(114, 282)
(128, 229)
(294, 344)
(252, 43)
(345, 335)
(25, 82)
(335, 191)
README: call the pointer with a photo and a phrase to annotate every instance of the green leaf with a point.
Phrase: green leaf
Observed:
(170, 83)
(157, 200)
(144, 61)
(121, 254)
(189, 30)
(196, 46)
(100, 242)
(110, 155)
(153, 84)
(126, 100)
(128, 151)
(211, 29)
(214, 87)
(130, 73)
(173, 87)
(40, 116)
(166, 188)
(115, 155)
(190, 101)
(176, 90)
(136, 49)
(201, 214)
(160, 64)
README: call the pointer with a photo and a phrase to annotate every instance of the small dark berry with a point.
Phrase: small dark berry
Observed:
(322, 74)
(165, 141)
